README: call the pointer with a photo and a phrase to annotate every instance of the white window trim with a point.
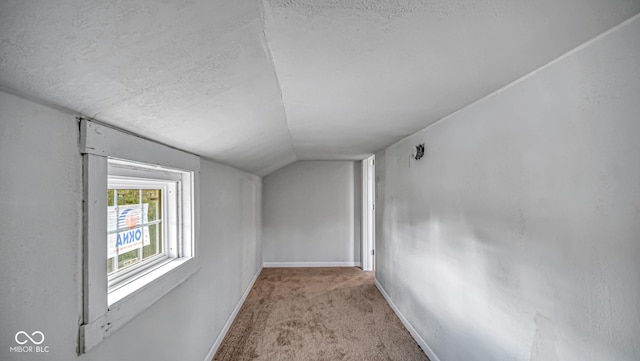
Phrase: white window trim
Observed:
(97, 144)
(172, 232)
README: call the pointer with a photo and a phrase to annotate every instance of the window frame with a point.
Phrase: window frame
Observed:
(104, 310)
(170, 237)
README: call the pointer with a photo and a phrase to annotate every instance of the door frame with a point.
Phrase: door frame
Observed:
(368, 213)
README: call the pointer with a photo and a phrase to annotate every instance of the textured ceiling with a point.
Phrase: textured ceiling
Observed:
(258, 85)
(358, 75)
(192, 74)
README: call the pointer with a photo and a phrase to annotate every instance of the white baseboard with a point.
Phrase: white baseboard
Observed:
(227, 325)
(310, 264)
(427, 350)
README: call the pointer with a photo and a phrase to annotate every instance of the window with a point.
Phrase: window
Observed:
(145, 208)
(140, 230)
(134, 226)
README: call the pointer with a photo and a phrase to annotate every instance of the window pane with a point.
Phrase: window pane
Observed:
(159, 243)
(134, 227)
(155, 237)
(125, 225)
(128, 196)
(110, 265)
(152, 197)
(128, 259)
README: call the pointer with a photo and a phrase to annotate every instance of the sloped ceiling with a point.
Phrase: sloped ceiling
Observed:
(192, 74)
(257, 85)
(358, 75)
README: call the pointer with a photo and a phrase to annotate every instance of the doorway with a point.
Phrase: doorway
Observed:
(368, 213)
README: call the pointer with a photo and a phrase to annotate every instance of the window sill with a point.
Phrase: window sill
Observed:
(140, 283)
(130, 300)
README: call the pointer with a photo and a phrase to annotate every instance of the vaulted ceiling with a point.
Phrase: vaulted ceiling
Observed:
(260, 84)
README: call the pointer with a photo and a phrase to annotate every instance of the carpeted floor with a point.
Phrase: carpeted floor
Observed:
(317, 314)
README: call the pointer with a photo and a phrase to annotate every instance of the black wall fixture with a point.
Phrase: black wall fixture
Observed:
(419, 151)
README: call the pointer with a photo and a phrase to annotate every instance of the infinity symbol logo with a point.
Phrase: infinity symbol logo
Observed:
(29, 337)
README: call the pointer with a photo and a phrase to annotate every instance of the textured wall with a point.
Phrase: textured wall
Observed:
(40, 227)
(516, 236)
(40, 241)
(311, 212)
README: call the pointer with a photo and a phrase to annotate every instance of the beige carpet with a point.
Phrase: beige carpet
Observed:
(317, 314)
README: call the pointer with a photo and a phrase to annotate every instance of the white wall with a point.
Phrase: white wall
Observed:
(311, 213)
(40, 243)
(517, 236)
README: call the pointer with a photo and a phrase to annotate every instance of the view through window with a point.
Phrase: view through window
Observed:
(134, 227)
